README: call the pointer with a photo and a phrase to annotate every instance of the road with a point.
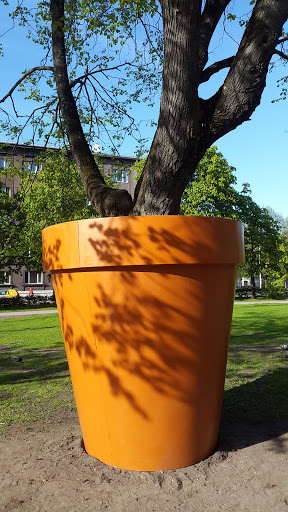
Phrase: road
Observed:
(21, 314)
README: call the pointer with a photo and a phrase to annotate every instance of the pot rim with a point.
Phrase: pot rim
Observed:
(141, 241)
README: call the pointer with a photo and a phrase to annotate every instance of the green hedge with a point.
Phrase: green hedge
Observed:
(26, 302)
(246, 293)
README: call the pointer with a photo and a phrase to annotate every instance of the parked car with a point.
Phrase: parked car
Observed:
(10, 293)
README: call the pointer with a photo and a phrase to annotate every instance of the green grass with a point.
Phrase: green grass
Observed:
(262, 324)
(31, 390)
(256, 385)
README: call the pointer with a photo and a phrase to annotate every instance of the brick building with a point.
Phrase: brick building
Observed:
(25, 156)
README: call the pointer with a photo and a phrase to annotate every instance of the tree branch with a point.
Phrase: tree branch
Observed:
(241, 92)
(283, 40)
(25, 75)
(210, 17)
(107, 201)
(93, 72)
(281, 54)
(214, 68)
(149, 38)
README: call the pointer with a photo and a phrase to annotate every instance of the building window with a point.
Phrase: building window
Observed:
(32, 167)
(7, 190)
(4, 163)
(120, 177)
(33, 277)
(5, 277)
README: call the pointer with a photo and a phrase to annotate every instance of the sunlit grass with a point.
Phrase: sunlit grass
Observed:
(31, 389)
(33, 332)
(256, 384)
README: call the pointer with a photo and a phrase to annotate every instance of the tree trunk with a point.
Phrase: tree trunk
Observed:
(174, 154)
(253, 286)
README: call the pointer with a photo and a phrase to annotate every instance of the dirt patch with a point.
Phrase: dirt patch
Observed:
(45, 468)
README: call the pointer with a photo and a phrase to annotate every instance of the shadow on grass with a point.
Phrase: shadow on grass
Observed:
(36, 365)
(256, 412)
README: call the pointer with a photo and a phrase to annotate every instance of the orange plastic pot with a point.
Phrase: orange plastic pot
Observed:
(145, 305)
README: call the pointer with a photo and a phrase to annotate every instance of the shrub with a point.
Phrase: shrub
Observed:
(34, 300)
(275, 289)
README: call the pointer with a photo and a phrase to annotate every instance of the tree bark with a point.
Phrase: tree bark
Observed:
(174, 153)
(241, 92)
(253, 287)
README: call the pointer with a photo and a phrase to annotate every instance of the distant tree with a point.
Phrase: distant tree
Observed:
(211, 192)
(277, 280)
(263, 239)
(11, 223)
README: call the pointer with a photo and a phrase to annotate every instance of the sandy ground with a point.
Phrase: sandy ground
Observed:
(45, 468)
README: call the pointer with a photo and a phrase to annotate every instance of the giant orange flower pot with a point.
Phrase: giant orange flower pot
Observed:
(145, 305)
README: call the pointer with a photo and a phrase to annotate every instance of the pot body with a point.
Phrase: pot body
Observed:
(145, 305)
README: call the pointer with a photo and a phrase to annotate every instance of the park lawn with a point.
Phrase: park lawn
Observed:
(259, 324)
(31, 390)
(256, 385)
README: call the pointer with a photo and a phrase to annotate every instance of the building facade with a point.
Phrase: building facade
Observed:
(25, 157)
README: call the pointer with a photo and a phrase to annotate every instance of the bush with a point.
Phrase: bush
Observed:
(242, 293)
(25, 302)
(275, 289)
(246, 293)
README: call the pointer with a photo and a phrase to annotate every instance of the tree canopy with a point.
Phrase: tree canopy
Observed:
(211, 192)
(11, 224)
(264, 250)
(101, 57)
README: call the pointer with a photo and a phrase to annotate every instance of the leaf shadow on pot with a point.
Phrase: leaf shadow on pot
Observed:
(114, 246)
(118, 338)
(144, 323)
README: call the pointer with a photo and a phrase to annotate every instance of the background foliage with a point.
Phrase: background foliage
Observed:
(51, 195)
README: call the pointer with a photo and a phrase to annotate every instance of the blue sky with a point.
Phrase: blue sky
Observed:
(257, 149)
